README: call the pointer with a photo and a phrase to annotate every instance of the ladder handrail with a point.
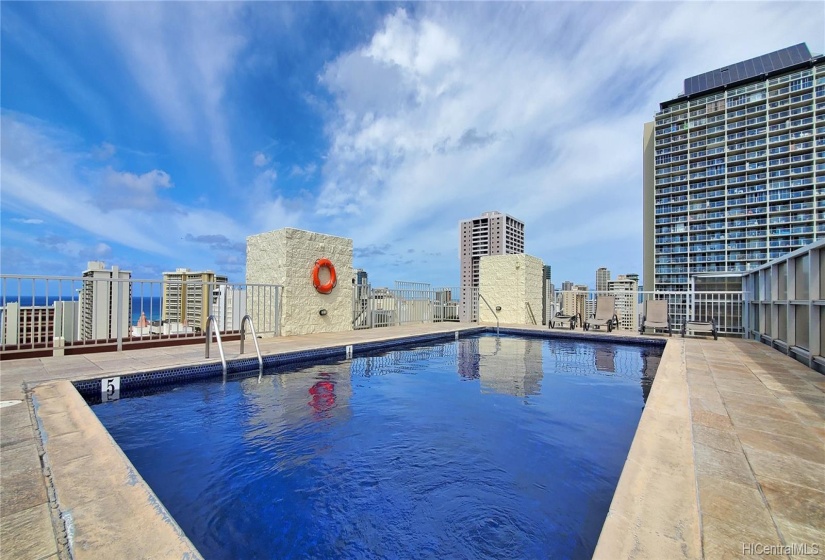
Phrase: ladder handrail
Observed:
(490, 308)
(248, 318)
(530, 310)
(209, 322)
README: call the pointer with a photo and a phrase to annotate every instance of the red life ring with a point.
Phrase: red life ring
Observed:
(316, 281)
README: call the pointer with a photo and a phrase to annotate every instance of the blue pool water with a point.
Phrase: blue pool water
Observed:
(485, 447)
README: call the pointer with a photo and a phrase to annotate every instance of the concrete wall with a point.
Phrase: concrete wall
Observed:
(287, 257)
(510, 281)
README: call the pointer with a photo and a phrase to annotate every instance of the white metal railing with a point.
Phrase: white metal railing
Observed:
(406, 303)
(726, 307)
(63, 314)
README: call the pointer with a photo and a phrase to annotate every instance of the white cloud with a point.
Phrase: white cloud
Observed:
(104, 151)
(305, 171)
(43, 174)
(121, 189)
(29, 221)
(181, 56)
(260, 159)
(533, 109)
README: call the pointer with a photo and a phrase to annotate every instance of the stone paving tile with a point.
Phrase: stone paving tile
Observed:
(11, 436)
(745, 390)
(808, 391)
(796, 504)
(723, 499)
(769, 419)
(723, 440)
(708, 400)
(815, 412)
(21, 485)
(813, 399)
(785, 468)
(15, 415)
(704, 417)
(731, 466)
(28, 534)
(724, 539)
(810, 450)
(755, 401)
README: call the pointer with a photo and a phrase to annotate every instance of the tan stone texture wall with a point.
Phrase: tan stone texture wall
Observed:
(286, 257)
(510, 281)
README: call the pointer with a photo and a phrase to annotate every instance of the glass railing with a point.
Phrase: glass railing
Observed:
(783, 305)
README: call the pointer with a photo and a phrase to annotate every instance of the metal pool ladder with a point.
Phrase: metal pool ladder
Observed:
(247, 318)
(490, 308)
(213, 321)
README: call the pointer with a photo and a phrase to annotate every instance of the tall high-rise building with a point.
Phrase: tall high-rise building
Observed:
(734, 169)
(566, 286)
(492, 233)
(105, 306)
(188, 297)
(602, 279)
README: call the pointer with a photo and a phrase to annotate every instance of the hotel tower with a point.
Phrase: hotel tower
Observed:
(734, 169)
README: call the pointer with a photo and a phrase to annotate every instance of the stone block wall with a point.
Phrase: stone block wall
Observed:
(286, 257)
(510, 282)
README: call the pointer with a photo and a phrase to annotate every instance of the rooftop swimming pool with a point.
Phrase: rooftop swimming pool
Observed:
(483, 447)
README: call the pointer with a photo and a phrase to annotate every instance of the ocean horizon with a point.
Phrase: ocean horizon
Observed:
(149, 305)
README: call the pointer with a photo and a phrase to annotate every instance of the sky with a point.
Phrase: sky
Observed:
(155, 136)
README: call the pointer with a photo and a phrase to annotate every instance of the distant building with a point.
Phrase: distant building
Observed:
(105, 302)
(27, 325)
(229, 307)
(566, 286)
(602, 279)
(575, 300)
(492, 233)
(623, 289)
(66, 320)
(189, 296)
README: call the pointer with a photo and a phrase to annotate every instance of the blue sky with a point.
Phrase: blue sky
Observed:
(160, 135)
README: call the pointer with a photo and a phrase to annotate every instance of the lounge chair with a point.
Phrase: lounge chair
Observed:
(703, 326)
(559, 319)
(605, 314)
(655, 316)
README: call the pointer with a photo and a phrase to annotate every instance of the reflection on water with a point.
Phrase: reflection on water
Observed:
(487, 447)
(604, 359)
(512, 366)
(322, 395)
(516, 366)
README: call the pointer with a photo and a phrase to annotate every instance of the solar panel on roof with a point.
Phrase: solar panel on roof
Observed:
(747, 69)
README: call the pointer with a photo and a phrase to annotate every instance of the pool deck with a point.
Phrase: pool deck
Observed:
(728, 459)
